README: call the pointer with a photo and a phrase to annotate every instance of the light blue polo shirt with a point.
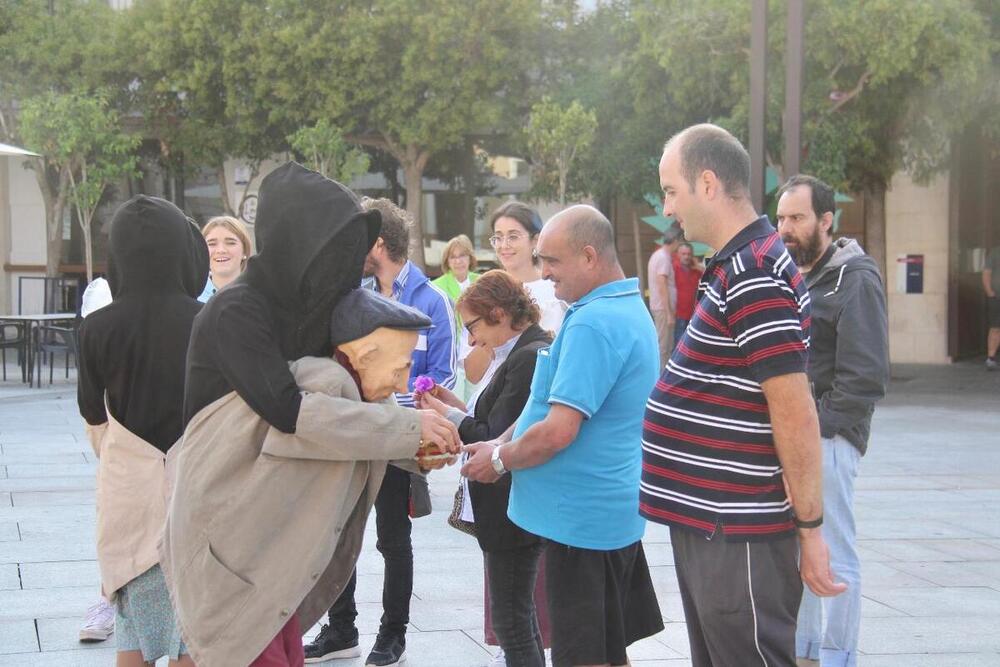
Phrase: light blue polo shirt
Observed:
(604, 364)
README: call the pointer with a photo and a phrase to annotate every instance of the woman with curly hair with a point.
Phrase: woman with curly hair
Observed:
(498, 312)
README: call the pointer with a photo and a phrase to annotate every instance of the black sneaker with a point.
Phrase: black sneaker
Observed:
(388, 650)
(332, 643)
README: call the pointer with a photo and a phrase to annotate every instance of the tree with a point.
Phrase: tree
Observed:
(410, 77)
(197, 94)
(80, 137)
(556, 136)
(887, 83)
(56, 46)
(325, 150)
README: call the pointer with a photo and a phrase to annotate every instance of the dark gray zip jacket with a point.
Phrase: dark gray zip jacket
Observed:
(849, 348)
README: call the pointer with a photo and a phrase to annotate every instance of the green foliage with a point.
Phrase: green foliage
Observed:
(556, 137)
(81, 137)
(190, 77)
(325, 150)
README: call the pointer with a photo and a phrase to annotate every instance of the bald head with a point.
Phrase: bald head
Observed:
(577, 251)
(708, 147)
(581, 226)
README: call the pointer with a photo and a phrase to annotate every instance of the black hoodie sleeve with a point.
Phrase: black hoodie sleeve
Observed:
(861, 368)
(250, 360)
(90, 384)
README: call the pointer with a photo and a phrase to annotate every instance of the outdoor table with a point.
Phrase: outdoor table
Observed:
(29, 323)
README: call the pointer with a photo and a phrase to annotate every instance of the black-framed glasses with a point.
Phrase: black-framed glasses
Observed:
(470, 324)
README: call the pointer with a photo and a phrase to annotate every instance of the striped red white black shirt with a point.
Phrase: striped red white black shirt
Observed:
(708, 457)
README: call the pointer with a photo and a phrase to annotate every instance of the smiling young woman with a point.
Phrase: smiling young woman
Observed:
(229, 248)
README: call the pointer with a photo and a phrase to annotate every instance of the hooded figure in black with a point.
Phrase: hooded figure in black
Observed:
(134, 349)
(312, 238)
(132, 355)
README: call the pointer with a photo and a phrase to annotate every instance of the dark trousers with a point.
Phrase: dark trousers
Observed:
(393, 528)
(511, 576)
(679, 327)
(740, 599)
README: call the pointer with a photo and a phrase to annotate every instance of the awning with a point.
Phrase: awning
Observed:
(6, 150)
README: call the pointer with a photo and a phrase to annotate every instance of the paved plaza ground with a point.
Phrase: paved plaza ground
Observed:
(928, 507)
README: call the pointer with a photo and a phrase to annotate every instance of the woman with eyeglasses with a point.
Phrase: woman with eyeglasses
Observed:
(498, 313)
(515, 234)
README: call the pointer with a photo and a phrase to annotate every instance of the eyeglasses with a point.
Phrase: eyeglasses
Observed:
(470, 324)
(511, 239)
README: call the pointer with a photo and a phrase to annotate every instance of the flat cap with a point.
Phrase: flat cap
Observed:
(362, 311)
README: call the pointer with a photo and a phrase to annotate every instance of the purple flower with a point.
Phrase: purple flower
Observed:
(423, 384)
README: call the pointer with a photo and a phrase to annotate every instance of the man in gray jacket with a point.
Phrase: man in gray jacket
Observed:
(849, 370)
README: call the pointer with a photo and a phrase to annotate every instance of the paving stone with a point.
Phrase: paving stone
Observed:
(921, 480)
(872, 609)
(57, 528)
(77, 469)
(10, 579)
(35, 498)
(955, 574)
(47, 550)
(100, 657)
(60, 574)
(46, 603)
(17, 637)
(9, 532)
(933, 660)
(938, 601)
(62, 634)
(931, 634)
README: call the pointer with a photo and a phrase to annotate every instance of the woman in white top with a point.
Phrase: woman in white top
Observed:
(515, 228)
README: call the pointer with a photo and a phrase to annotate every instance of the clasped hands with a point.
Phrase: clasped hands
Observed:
(433, 406)
(440, 443)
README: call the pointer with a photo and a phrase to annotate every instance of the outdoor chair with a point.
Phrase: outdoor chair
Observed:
(51, 341)
(12, 338)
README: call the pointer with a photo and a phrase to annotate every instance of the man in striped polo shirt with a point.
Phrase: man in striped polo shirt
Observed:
(731, 424)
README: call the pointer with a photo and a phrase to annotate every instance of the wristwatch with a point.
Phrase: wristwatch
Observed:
(497, 463)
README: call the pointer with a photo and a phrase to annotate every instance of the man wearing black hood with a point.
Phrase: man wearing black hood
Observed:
(130, 392)
(312, 237)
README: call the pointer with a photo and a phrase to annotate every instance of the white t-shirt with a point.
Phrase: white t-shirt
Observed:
(553, 310)
(96, 296)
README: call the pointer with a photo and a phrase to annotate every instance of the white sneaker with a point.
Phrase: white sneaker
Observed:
(499, 660)
(99, 623)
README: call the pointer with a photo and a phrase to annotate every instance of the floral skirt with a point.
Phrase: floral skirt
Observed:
(145, 620)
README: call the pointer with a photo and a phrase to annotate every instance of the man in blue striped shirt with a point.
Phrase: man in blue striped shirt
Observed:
(732, 421)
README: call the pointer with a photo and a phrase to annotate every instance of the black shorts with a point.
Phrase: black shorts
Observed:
(599, 603)
(993, 312)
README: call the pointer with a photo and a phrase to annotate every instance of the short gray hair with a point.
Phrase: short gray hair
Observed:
(589, 227)
(708, 147)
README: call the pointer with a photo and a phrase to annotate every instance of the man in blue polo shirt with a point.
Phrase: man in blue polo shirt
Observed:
(575, 452)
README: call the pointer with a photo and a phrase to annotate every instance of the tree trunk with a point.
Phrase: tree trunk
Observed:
(413, 164)
(54, 201)
(227, 205)
(875, 225)
(88, 249)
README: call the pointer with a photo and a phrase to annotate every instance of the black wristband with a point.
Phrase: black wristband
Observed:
(815, 523)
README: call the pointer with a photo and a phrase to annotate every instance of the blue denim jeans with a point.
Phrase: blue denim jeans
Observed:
(835, 643)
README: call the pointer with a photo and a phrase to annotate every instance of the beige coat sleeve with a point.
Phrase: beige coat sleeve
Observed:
(334, 427)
